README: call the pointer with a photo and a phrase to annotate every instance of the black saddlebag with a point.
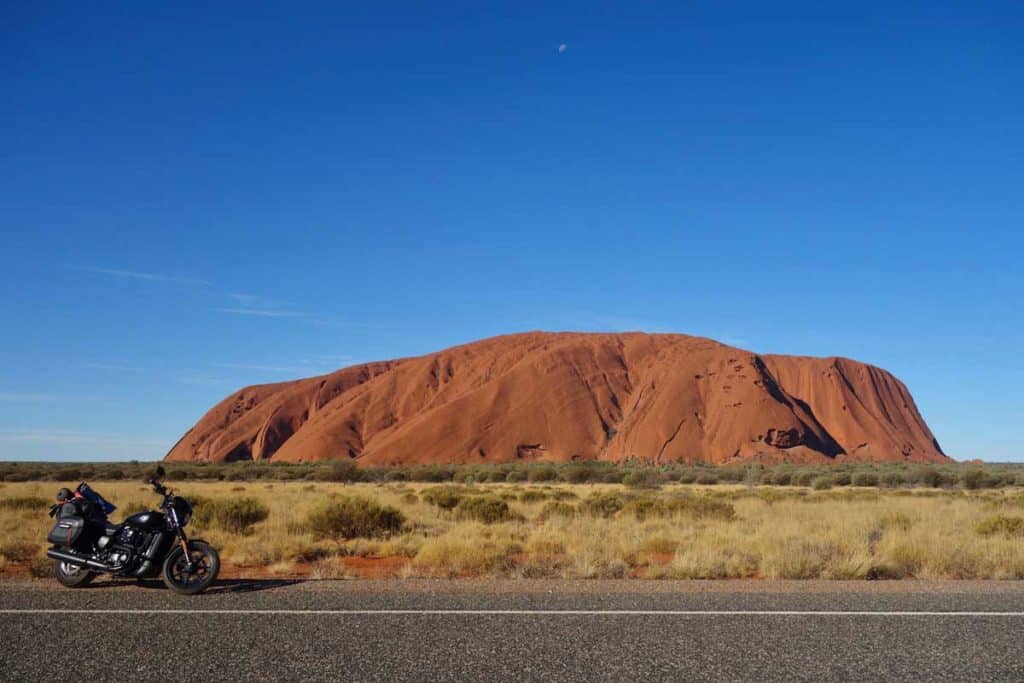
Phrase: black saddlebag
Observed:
(67, 531)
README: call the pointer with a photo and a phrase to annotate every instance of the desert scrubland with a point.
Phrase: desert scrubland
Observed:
(650, 527)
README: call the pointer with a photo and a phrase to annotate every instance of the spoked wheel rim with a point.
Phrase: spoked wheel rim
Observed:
(199, 572)
(69, 569)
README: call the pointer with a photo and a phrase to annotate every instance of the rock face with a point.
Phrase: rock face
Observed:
(573, 396)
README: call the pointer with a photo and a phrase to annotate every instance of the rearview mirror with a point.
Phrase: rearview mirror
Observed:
(160, 472)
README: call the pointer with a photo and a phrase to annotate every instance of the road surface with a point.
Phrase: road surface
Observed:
(515, 630)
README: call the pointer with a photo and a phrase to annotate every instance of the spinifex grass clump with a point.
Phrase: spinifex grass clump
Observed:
(691, 506)
(444, 497)
(603, 504)
(486, 509)
(1002, 524)
(354, 517)
(557, 508)
(235, 515)
(644, 479)
(24, 503)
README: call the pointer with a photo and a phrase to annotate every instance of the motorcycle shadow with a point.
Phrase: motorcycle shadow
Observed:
(221, 586)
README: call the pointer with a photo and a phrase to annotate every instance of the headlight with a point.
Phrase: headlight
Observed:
(182, 510)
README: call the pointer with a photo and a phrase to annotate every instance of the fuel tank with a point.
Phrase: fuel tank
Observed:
(147, 521)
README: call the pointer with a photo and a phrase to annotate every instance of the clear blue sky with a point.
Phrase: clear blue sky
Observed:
(199, 197)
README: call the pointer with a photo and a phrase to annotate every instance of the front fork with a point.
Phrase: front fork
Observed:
(183, 539)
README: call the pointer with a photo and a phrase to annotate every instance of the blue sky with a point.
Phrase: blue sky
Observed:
(200, 197)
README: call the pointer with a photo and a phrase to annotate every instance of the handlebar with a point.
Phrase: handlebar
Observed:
(157, 486)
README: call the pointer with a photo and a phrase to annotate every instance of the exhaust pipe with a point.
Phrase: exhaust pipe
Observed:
(76, 560)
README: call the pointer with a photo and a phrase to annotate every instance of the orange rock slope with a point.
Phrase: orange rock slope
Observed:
(573, 396)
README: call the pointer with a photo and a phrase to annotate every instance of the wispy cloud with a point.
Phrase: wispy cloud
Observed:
(243, 303)
(149, 277)
(263, 312)
(253, 300)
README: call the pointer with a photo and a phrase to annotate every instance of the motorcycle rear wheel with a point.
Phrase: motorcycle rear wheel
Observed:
(205, 566)
(71, 576)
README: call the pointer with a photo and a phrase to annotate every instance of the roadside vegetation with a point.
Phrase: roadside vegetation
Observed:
(635, 475)
(925, 526)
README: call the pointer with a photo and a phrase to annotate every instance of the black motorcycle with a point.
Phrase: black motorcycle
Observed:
(144, 545)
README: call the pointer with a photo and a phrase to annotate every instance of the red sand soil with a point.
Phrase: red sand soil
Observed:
(572, 396)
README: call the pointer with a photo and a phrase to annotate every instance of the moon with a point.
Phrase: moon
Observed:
(562, 48)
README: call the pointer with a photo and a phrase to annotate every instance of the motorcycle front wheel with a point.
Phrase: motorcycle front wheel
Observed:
(189, 580)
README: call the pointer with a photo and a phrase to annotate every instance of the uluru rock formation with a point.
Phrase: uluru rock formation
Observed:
(574, 396)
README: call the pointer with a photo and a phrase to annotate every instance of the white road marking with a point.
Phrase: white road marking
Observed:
(524, 612)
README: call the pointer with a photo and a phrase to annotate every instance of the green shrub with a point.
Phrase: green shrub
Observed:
(354, 517)
(782, 478)
(707, 478)
(24, 503)
(396, 475)
(515, 477)
(804, 478)
(341, 470)
(543, 473)
(973, 478)
(1001, 524)
(486, 509)
(614, 475)
(643, 479)
(732, 474)
(466, 476)
(865, 479)
(578, 474)
(821, 483)
(892, 479)
(928, 476)
(842, 479)
(603, 504)
(444, 497)
(234, 515)
(687, 476)
(496, 475)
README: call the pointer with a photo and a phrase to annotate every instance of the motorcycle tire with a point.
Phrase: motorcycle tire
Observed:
(206, 565)
(71, 576)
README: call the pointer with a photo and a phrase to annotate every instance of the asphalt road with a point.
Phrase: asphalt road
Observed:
(508, 630)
